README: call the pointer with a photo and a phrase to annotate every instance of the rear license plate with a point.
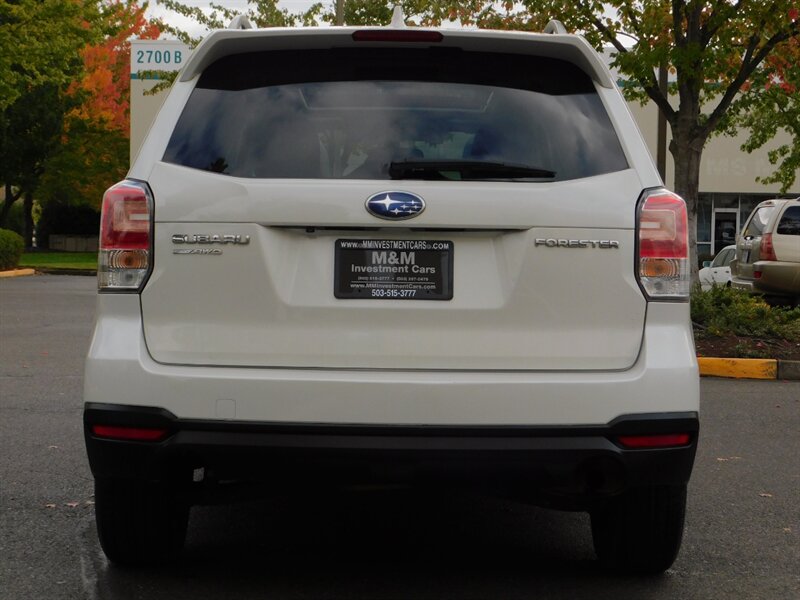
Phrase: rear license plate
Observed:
(393, 269)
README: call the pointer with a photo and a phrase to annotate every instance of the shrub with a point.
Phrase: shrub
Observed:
(723, 310)
(11, 247)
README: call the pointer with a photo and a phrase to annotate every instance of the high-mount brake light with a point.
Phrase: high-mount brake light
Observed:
(663, 250)
(135, 434)
(393, 35)
(642, 442)
(767, 249)
(125, 227)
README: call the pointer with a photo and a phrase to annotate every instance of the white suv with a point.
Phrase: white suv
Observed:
(394, 255)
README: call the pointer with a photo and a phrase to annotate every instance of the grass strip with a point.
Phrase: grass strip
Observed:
(59, 260)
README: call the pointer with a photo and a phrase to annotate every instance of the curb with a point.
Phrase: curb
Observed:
(17, 273)
(749, 368)
(47, 271)
(56, 271)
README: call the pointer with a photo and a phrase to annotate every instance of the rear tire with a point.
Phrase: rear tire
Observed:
(640, 532)
(139, 523)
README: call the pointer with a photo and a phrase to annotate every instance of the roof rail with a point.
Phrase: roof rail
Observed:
(555, 26)
(240, 22)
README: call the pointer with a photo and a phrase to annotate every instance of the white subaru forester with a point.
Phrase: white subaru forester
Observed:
(394, 255)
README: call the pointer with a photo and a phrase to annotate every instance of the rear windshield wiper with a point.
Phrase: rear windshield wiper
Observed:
(464, 170)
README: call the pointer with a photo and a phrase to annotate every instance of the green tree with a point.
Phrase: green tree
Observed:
(30, 130)
(89, 158)
(63, 98)
(773, 107)
(94, 148)
(40, 42)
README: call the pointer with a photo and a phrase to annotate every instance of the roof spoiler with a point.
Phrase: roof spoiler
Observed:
(241, 37)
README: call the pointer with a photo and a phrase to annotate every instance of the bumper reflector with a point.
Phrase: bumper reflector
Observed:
(654, 441)
(139, 434)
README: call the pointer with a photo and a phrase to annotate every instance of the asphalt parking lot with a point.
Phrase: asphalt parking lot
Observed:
(742, 537)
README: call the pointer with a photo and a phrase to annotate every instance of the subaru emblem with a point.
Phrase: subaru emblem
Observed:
(395, 206)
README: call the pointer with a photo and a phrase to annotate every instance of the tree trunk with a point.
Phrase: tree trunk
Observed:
(8, 202)
(28, 212)
(686, 152)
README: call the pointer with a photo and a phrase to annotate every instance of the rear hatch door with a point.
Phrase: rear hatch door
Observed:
(522, 259)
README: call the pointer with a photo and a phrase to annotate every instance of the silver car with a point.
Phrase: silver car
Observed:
(768, 252)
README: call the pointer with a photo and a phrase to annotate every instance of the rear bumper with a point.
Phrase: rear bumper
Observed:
(534, 433)
(777, 278)
(664, 378)
(568, 466)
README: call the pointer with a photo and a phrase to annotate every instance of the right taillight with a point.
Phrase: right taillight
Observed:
(663, 251)
(766, 249)
(125, 227)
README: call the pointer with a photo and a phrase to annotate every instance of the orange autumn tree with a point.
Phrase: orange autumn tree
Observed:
(94, 152)
(106, 83)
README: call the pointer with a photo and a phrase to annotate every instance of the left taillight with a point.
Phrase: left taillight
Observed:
(767, 249)
(133, 434)
(125, 237)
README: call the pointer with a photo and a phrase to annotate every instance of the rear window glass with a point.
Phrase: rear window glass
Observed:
(353, 113)
(790, 221)
(755, 227)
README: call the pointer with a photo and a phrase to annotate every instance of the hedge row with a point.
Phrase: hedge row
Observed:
(723, 310)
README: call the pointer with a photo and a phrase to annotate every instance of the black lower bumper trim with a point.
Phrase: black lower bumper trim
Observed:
(568, 461)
